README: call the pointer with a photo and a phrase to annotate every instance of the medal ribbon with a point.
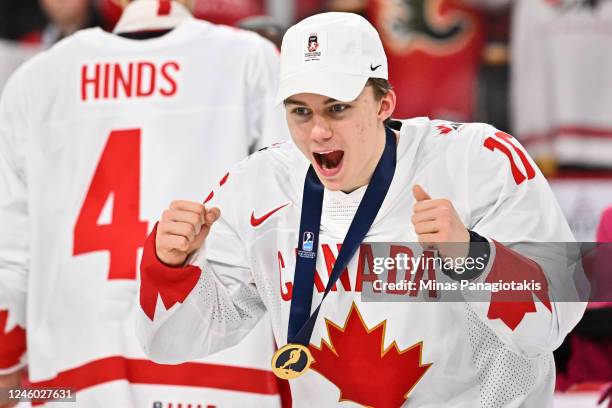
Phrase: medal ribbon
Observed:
(301, 322)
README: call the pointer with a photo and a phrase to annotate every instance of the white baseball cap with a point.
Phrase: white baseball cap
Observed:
(331, 54)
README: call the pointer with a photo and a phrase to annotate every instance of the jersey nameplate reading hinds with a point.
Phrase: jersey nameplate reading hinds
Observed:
(129, 80)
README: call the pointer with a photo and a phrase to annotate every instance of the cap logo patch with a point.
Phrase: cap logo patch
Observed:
(312, 42)
(312, 46)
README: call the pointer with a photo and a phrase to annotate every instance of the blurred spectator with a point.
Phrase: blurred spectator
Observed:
(562, 92)
(265, 26)
(227, 11)
(66, 17)
(24, 29)
(18, 19)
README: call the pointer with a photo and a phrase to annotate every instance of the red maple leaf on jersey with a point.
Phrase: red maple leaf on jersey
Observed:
(444, 130)
(12, 343)
(355, 361)
(512, 306)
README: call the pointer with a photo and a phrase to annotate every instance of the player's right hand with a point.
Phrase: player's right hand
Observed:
(182, 230)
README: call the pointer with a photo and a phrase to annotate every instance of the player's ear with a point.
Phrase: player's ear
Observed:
(386, 105)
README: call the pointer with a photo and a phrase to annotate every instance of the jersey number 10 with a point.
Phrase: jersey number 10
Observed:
(492, 144)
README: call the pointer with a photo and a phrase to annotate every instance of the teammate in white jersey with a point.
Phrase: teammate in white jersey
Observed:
(348, 181)
(95, 136)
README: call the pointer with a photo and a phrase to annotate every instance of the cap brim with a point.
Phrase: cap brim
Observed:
(339, 86)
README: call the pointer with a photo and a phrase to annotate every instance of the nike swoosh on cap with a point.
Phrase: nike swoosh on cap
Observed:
(257, 221)
(376, 67)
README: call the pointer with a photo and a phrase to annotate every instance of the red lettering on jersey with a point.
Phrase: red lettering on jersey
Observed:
(318, 282)
(165, 72)
(125, 80)
(140, 85)
(427, 259)
(392, 274)
(286, 296)
(495, 144)
(106, 68)
(88, 81)
(330, 260)
(129, 80)
(365, 256)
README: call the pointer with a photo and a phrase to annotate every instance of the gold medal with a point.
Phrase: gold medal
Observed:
(291, 361)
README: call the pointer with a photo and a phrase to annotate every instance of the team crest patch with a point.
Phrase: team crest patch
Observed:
(447, 128)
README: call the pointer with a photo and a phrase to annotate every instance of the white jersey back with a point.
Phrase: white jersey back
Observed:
(97, 136)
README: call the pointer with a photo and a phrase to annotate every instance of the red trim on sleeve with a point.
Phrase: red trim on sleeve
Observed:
(210, 196)
(224, 179)
(12, 343)
(512, 306)
(164, 7)
(173, 285)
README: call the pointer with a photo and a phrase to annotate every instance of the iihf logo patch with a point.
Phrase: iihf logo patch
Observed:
(312, 42)
(313, 46)
(308, 241)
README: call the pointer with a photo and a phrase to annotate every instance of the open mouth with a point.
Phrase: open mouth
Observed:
(329, 162)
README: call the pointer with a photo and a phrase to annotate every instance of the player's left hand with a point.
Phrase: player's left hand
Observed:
(438, 225)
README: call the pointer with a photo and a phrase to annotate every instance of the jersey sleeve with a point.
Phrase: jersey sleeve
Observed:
(266, 122)
(209, 304)
(14, 248)
(512, 205)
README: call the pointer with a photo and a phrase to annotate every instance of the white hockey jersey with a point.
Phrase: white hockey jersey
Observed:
(97, 136)
(382, 354)
(561, 89)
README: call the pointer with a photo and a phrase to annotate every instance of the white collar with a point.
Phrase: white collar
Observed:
(142, 15)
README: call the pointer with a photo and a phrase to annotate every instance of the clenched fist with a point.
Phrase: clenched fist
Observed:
(183, 228)
(438, 225)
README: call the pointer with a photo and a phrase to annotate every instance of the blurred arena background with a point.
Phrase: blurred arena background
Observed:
(540, 70)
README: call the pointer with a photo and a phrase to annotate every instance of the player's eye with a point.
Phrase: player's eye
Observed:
(338, 108)
(301, 111)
